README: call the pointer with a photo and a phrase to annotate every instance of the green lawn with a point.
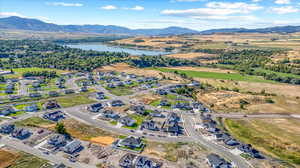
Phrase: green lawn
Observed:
(120, 91)
(73, 100)
(139, 119)
(33, 122)
(19, 71)
(216, 75)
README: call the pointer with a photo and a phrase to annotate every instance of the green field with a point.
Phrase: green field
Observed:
(19, 71)
(33, 122)
(216, 75)
(74, 100)
(278, 73)
(120, 91)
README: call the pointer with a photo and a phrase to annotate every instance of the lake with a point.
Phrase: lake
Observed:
(104, 47)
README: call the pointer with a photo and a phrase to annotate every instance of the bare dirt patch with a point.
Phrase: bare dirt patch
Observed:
(103, 140)
(7, 158)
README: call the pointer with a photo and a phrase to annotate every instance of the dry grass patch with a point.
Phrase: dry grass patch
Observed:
(279, 138)
(191, 55)
(204, 69)
(83, 131)
(228, 101)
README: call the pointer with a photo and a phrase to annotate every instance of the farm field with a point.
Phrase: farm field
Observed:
(279, 138)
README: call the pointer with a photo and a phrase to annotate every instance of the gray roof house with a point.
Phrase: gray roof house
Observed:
(72, 147)
(127, 121)
(7, 128)
(95, 107)
(20, 133)
(31, 108)
(149, 125)
(131, 142)
(7, 110)
(215, 161)
(145, 162)
(57, 140)
(109, 114)
(127, 161)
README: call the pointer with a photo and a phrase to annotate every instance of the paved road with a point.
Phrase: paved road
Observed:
(219, 149)
(52, 158)
(257, 115)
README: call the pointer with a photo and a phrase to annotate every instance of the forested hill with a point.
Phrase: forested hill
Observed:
(14, 22)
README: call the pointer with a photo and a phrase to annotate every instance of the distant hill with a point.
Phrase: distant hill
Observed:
(279, 29)
(15, 22)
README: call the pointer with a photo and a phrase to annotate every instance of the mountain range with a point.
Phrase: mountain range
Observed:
(19, 23)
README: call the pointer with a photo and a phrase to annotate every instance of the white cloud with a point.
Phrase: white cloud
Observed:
(284, 10)
(8, 14)
(256, 0)
(215, 10)
(187, 0)
(137, 8)
(282, 1)
(64, 4)
(109, 7)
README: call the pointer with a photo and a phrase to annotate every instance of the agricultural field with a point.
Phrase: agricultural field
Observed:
(276, 137)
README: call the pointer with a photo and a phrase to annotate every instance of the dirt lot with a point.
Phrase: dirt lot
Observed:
(7, 158)
(103, 140)
(228, 101)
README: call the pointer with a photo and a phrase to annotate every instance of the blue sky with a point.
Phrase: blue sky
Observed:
(195, 14)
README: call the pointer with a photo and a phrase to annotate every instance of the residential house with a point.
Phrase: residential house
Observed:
(7, 128)
(95, 107)
(83, 89)
(69, 91)
(72, 147)
(149, 125)
(128, 82)
(111, 85)
(57, 140)
(35, 95)
(127, 161)
(53, 94)
(54, 116)
(51, 104)
(162, 92)
(117, 103)
(109, 114)
(138, 110)
(215, 161)
(145, 162)
(164, 103)
(131, 142)
(127, 121)
(157, 114)
(32, 108)
(21, 133)
(36, 84)
(7, 110)
(100, 96)
(247, 148)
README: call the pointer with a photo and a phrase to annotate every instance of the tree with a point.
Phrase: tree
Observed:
(60, 128)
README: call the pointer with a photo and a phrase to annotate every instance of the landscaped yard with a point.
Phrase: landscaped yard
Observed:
(120, 91)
